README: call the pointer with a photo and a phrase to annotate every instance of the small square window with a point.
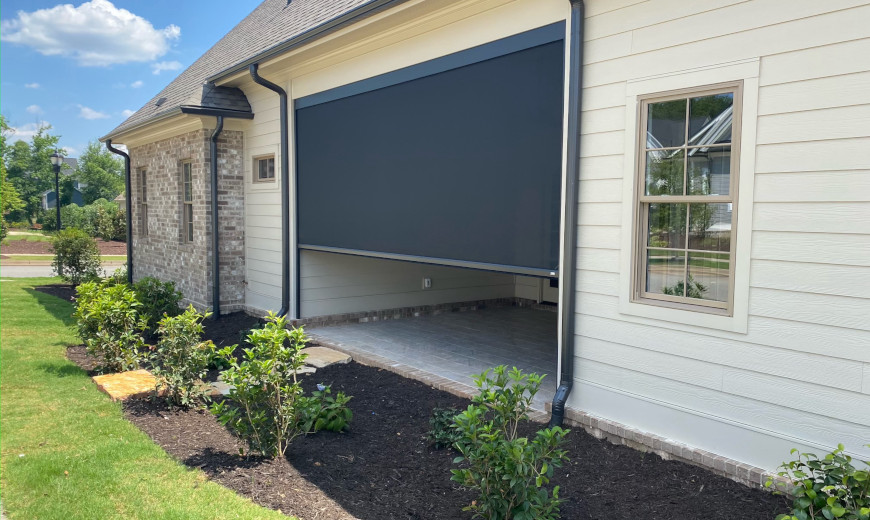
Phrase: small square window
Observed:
(264, 169)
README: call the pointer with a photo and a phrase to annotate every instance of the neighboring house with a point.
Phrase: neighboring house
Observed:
(121, 201)
(49, 197)
(695, 197)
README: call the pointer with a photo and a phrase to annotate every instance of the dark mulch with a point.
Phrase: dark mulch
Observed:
(384, 468)
(64, 292)
(26, 247)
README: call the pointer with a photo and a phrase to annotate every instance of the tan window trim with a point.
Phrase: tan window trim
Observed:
(256, 168)
(642, 202)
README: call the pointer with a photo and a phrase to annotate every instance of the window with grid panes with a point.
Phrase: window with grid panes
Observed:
(187, 199)
(687, 182)
(143, 202)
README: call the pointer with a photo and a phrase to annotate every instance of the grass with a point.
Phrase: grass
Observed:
(67, 451)
(27, 238)
(48, 258)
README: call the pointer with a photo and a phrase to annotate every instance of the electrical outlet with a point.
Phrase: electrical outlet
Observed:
(427, 283)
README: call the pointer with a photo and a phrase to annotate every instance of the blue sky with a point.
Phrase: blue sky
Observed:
(79, 67)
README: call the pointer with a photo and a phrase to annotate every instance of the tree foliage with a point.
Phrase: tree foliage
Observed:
(101, 171)
(28, 167)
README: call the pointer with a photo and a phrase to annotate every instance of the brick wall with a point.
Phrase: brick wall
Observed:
(163, 252)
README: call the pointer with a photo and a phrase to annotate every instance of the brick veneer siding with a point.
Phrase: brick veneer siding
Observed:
(163, 252)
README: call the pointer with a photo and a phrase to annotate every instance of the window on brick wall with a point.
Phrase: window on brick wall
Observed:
(187, 201)
(143, 203)
(264, 169)
(686, 194)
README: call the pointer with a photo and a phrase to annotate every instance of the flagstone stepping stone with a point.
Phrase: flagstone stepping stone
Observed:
(321, 357)
(124, 385)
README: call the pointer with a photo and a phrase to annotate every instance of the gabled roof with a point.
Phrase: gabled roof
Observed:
(269, 27)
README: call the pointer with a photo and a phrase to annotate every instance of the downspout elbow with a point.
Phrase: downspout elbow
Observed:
(128, 203)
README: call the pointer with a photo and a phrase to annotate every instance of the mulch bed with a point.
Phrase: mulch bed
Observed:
(26, 247)
(384, 468)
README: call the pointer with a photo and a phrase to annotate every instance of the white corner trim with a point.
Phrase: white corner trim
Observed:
(748, 72)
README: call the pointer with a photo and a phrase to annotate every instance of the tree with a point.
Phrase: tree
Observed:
(29, 168)
(102, 171)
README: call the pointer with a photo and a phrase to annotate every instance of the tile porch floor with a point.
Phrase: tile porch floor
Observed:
(456, 345)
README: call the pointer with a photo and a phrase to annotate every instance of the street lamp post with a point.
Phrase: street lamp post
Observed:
(56, 161)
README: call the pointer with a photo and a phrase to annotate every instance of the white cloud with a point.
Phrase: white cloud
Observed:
(95, 34)
(31, 85)
(70, 151)
(165, 65)
(137, 84)
(90, 113)
(127, 113)
(25, 132)
(34, 109)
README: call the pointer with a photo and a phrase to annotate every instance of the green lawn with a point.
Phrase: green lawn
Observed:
(67, 451)
(49, 258)
(27, 238)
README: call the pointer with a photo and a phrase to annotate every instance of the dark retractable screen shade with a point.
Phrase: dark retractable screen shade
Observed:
(464, 164)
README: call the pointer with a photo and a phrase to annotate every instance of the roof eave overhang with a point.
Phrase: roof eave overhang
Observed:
(156, 119)
(208, 111)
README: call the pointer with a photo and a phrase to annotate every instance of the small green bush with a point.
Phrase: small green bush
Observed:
(4, 230)
(110, 324)
(180, 359)
(265, 405)
(443, 433)
(321, 411)
(158, 299)
(76, 256)
(827, 488)
(118, 277)
(509, 472)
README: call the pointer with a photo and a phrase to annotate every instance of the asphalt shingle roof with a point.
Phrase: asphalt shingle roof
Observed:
(272, 23)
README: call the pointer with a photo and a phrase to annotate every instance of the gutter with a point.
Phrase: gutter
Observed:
(215, 239)
(285, 195)
(568, 271)
(129, 207)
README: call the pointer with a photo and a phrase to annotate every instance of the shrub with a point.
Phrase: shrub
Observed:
(443, 433)
(321, 411)
(265, 405)
(4, 230)
(76, 256)
(157, 298)
(109, 322)
(110, 222)
(508, 471)
(827, 488)
(180, 359)
(118, 277)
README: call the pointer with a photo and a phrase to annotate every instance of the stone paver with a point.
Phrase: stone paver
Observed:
(321, 357)
(455, 345)
(135, 383)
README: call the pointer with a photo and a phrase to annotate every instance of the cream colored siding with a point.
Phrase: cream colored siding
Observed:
(798, 374)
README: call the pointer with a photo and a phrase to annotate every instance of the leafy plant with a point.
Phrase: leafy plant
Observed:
(695, 289)
(158, 298)
(264, 405)
(443, 433)
(180, 359)
(509, 472)
(109, 322)
(321, 411)
(118, 277)
(76, 256)
(826, 488)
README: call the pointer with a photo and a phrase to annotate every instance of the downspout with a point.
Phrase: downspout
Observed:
(567, 272)
(129, 207)
(215, 242)
(285, 191)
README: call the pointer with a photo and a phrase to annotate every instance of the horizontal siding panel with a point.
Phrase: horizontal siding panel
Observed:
(784, 333)
(265, 289)
(263, 210)
(599, 7)
(607, 48)
(600, 237)
(603, 96)
(603, 120)
(259, 231)
(813, 94)
(602, 167)
(264, 277)
(264, 254)
(838, 311)
(821, 60)
(597, 282)
(837, 280)
(600, 190)
(835, 155)
(604, 143)
(644, 15)
(600, 214)
(803, 424)
(263, 266)
(849, 186)
(267, 244)
(725, 351)
(824, 248)
(761, 41)
(820, 217)
(866, 388)
(815, 125)
(838, 404)
(732, 19)
(676, 368)
(606, 260)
